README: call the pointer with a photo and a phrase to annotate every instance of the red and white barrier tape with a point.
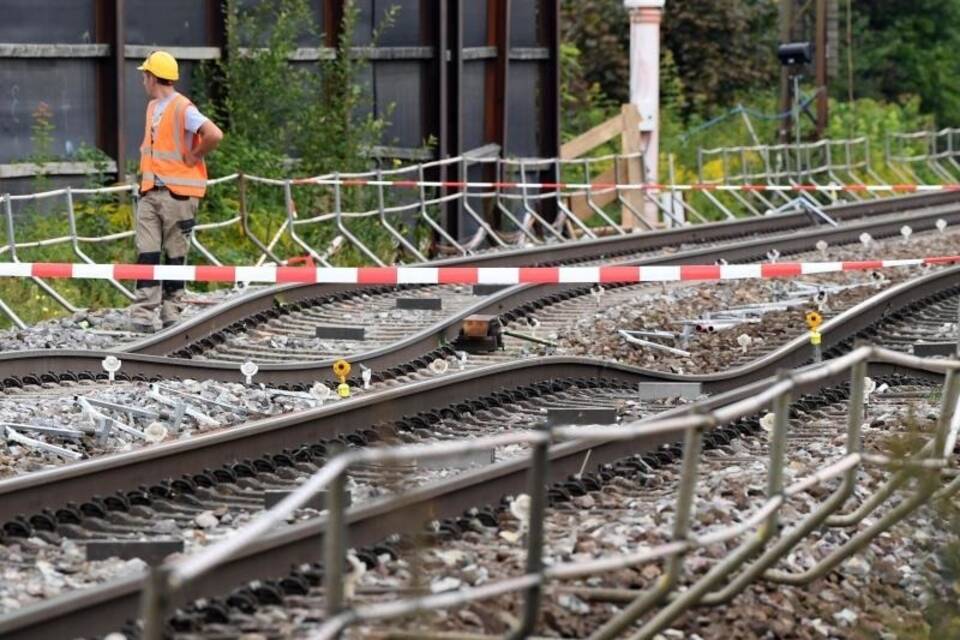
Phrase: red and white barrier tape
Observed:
(451, 275)
(649, 186)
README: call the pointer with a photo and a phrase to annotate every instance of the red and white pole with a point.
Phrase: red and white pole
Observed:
(645, 18)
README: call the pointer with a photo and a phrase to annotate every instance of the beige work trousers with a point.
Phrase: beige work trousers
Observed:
(164, 221)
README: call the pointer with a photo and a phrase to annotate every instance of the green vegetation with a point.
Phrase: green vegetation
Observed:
(719, 54)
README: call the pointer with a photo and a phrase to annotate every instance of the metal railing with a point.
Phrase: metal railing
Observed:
(342, 218)
(828, 162)
(508, 214)
(924, 157)
(762, 543)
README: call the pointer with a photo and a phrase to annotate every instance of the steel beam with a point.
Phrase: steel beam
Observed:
(497, 84)
(549, 37)
(332, 21)
(454, 111)
(110, 29)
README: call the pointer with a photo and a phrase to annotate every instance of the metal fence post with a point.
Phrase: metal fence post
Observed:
(433, 224)
(265, 251)
(686, 495)
(381, 205)
(4, 307)
(531, 211)
(338, 214)
(291, 212)
(539, 467)
(927, 488)
(334, 541)
(75, 243)
(12, 243)
(155, 603)
(836, 500)
(723, 569)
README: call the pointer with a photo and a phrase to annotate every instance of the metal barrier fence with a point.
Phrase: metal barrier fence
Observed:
(762, 542)
(506, 212)
(498, 217)
(924, 157)
(825, 163)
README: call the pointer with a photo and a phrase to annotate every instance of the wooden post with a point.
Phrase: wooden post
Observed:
(631, 145)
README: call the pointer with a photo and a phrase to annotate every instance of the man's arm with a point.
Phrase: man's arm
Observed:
(210, 137)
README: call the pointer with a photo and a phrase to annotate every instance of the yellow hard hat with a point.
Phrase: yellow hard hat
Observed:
(161, 64)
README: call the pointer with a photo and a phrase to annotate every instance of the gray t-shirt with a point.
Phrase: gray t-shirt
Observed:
(194, 119)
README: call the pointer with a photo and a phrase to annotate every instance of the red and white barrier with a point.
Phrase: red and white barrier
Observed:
(452, 275)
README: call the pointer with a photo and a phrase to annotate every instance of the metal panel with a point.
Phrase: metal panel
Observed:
(399, 85)
(475, 23)
(407, 23)
(247, 6)
(171, 22)
(457, 100)
(47, 21)
(522, 104)
(473, 104)
(523, 23)
(66, 86)
(363, 32)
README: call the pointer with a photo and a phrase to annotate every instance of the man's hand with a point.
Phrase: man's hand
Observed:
(191, 159)
(210, 137)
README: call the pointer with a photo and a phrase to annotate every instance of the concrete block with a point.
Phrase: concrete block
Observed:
(466, 460)
(660, 390)
(340, 332)
(570, 416)
(152, 552)
(420, 304)
(929, 349)
(319, 502)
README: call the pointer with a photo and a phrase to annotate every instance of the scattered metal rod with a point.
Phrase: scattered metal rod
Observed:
(181, 408)
(19, 438)
(60, 432)
(175, 418)
(133, 411)
(300, 395)
(529, 338)
(85, 404)
(652, 345)
(198, 398)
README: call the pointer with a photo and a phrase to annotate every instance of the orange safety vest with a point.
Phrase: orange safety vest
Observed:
(161, 155)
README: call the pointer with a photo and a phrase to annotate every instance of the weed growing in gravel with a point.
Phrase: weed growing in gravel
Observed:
(940, 543)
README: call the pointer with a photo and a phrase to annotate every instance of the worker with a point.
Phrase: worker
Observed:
(176, 139)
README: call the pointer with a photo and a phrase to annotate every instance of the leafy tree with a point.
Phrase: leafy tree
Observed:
(907, 48)
(714, 50)
(600, 31)
(721, 48)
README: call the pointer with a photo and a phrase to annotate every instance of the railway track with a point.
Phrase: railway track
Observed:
(160, 466)
(435, 330)
(416, 351)
(623, 506)
(556, 315)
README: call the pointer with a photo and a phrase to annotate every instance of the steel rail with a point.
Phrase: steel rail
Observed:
(419, 345)
(205, 325)
(104, 608)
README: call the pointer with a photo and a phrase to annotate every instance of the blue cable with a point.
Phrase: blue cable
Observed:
(751, 112)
